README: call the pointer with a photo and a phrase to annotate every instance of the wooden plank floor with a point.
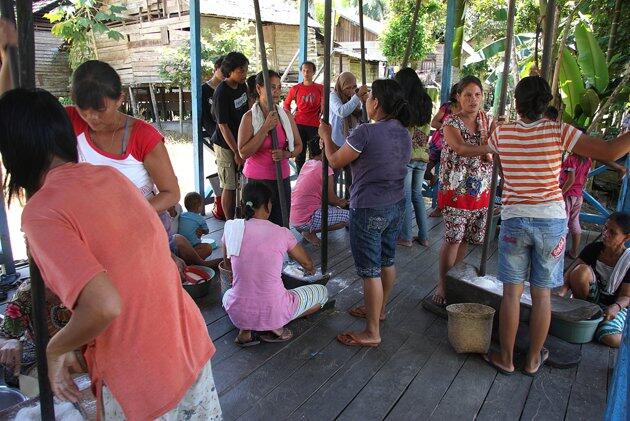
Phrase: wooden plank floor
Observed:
(414, 374)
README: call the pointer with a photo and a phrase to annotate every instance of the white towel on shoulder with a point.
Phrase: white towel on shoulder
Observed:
(619, 272)
(233, 232)
(258, 119)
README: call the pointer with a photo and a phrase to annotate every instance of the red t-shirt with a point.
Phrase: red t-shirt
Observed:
(89, 219)
(308, 100)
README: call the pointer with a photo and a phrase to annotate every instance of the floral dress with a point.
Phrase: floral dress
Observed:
(17, 320)
(465, 185)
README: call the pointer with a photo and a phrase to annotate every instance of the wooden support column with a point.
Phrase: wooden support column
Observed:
(181, 109)
(303, 43)
(195, 93)
(26, 43)
(449, 35)
(325, 119)
(507, 58)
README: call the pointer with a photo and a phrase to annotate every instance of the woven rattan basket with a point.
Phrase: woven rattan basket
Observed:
(470, 327)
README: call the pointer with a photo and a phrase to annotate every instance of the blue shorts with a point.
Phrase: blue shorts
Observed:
(532, 249)
(373, 235)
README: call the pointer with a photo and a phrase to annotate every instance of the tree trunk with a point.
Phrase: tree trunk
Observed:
(613, 30)
(600, 113)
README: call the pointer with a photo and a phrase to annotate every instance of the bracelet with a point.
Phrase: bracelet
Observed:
(618, 305)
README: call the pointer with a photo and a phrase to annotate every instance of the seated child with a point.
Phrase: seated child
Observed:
(192, 225)
(256, 247)
(306, 199)
(573, 175)
(601, 276)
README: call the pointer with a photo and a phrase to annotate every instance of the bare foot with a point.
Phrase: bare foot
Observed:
(439, 296)
(424, 243)
(311, 237)
(359, 339)
(494, 359)
(361, 311)
(404, 243)
(533, 364)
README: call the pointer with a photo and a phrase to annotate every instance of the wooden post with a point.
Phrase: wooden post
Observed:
(449, 35)
(134, 104)
(363, 75)
(195, 93)
(26, 43)
(412, 33)
(303, 43)
(156, 114)
(271, 107)
(163, 103)
(548, 40)
(507, 58)
(325, 119)
(181, 109)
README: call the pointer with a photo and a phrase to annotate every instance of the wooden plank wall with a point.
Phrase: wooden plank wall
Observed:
(346, 31)
(52, 71)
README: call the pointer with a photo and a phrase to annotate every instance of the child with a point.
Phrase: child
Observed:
(306, 199)
(572, 179)
(256, 247)
(192, 224)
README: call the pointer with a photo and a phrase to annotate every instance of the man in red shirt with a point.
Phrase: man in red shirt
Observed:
(308, 97)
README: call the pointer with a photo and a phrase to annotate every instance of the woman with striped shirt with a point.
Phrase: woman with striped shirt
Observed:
(533, 229)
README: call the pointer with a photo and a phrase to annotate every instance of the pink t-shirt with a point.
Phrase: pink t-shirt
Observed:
(259, 300)
(580, 167)
(307, 193)
(90, 219)
(261, 166)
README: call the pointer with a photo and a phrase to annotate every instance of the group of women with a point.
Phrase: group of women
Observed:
(100, 234)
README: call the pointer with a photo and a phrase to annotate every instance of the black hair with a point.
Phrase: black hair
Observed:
(532, 95)
(391, 99)
(233, 61)
(467, 80)
(309, 63)
(552, 113)
(622, 219)
(92, 82)
(260, 80)
(420, 103)
(314, 148)
(255, 195)
(218, 63)
(452, 96)
(192, 200)
(251, 87)
(34, 128)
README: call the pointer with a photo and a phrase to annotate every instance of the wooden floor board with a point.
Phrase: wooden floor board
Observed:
(588, 393)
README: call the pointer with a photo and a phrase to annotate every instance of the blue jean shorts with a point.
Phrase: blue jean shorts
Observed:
(532, 249)
(373, 235)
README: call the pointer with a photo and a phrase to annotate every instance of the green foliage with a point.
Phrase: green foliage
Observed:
(458, 39)
(571, 83)
(591, 58)
(79, 21)
(601, 16)
(393, 40)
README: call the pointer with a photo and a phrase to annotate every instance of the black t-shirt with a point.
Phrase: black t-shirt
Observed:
(228, 105)
(207, 117)
(589, 255)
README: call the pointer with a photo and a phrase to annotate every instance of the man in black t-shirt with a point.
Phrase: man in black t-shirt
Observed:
(207, 92)
(229, 103)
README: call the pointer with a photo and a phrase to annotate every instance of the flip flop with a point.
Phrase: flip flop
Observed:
(359, 312)
(350, 339)
(443, 299)
(271, 337)
(544, 355)
(255, 340)
(488, 360)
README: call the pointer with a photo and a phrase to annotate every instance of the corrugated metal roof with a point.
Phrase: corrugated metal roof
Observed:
(369, 24)
(272, 11)
(353, 49)
(44, 5)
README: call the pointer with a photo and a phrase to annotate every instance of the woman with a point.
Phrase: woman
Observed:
(420, 106)
(600, 275)
(112, 267)
(258, 301)
(378, 154)
(464, 180)
(437, 140)
(256, 147)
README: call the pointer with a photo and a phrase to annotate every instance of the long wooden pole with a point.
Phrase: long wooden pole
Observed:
(362, 45)
(412, 34)
(507, 58)
(271, 107)
(326, 119)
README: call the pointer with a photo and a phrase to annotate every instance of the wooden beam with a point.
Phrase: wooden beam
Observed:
(26, 43)
(303, 42)
(449, 35)
(195, 92)
(325, 119)
(363, 75)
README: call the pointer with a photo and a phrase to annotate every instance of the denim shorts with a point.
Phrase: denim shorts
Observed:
(532, 249)
(373, 235)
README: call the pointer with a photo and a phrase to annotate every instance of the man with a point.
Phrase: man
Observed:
(229, 104)
(308, 97)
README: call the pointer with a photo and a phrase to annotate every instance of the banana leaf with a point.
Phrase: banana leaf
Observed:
(591, 58)
(498, 47)
(571, 83)
(589, 102)
(458, 39)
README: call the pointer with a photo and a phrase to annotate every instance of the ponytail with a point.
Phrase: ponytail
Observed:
(255, 195)
(392, 100)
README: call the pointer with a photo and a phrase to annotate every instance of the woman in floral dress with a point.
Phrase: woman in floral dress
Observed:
(464, 180)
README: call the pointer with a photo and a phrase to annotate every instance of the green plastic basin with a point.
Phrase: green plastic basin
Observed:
(579, 332)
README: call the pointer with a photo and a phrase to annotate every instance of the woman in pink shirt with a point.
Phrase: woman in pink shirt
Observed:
(144, 339)
(258, 301)
(255, 145)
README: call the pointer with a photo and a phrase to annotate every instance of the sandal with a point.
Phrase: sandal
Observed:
(255, 340)
(350, 339)
(544, 354)
(488, 360)
(438, 300)
(361, 313)
(272, 337)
